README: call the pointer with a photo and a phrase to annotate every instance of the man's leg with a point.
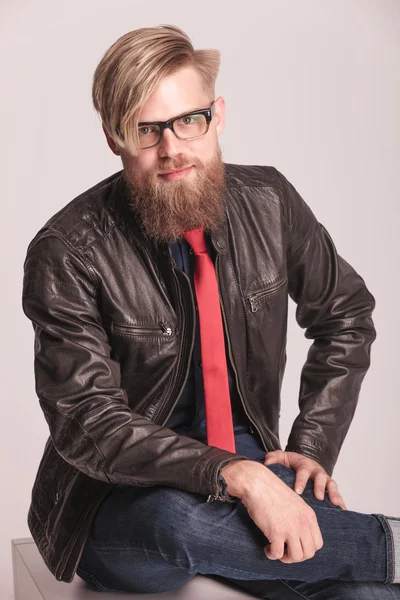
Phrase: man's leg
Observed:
(157, 538)
(325, 589)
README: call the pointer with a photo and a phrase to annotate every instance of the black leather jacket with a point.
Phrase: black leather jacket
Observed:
(114, 330)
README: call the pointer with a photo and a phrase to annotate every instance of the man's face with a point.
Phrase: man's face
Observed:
(170, 205)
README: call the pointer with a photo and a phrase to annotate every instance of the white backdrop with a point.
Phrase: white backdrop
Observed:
(318, 80)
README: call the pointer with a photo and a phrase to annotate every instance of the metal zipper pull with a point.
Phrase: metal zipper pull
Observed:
(167, 330)
(212, 497)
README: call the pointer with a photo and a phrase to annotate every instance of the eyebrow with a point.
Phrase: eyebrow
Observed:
(187, 112)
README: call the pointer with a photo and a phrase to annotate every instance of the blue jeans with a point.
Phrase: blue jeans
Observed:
(154, 539)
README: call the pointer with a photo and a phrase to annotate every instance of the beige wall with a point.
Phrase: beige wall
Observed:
(318, 81)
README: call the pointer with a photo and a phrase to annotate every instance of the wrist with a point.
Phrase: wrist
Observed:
(239, 476)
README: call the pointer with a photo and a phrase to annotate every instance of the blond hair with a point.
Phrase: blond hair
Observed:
(131, 69)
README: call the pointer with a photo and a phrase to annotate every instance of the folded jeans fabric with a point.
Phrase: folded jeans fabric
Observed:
(157, 538)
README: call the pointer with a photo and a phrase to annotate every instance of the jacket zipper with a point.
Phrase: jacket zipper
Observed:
(137, 330)
(169, 392)
(254, 299)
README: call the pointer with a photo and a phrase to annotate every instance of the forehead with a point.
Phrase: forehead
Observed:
(175, 94)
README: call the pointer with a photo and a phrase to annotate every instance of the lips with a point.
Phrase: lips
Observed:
(174, 170)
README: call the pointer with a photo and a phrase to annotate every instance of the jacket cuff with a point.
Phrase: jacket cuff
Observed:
(223, 494)
(312, 448)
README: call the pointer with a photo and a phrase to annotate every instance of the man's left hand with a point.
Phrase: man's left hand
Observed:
(305, 468)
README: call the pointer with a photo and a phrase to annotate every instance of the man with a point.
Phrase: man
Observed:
(125, 493)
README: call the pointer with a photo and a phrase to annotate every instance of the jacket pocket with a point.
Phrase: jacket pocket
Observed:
(257, 299)
(161, 329)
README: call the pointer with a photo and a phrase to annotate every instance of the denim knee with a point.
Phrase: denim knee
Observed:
(287, 474)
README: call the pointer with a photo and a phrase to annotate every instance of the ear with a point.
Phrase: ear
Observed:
(111, 142)
(219, 114)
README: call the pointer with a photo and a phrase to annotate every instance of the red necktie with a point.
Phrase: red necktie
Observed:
(219, 420)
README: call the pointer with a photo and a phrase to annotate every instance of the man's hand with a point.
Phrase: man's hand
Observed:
(289, 524)
(305, 468)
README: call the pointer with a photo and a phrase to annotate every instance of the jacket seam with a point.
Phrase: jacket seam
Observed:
(282, 195)
(78, 254)
(244, 317)
(101, 236)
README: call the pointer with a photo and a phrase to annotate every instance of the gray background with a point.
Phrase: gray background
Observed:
(311, 87)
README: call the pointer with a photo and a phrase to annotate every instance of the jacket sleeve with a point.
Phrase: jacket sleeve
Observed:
(334, 307)
(78, 385)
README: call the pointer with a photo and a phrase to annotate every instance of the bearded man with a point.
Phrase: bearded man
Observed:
(159, 301)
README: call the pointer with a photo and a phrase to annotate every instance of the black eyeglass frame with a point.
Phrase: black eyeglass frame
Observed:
(207, 112)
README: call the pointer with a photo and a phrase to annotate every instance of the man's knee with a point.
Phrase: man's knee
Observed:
(287, 474)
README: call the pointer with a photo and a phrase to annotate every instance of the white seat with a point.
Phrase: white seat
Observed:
(33, 581)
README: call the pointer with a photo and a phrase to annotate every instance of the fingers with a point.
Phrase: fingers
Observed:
(317, 538)
(276, 549)
(334, 495)
(275, 456)
(302, 476)
(322, 481)
(296, 549)
(319, 484)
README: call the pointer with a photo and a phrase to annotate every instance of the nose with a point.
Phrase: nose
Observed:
(169, 144)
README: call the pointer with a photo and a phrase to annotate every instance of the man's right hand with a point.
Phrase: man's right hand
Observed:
(281, 514)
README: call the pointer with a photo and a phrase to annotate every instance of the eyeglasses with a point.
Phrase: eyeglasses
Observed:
(185, 127)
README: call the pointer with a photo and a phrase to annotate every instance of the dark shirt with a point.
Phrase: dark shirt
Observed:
(188, 417)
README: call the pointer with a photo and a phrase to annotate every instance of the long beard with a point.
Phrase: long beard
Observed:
(167, 209)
